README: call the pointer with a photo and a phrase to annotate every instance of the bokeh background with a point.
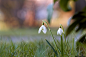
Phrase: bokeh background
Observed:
(24, 17)
(30, 13)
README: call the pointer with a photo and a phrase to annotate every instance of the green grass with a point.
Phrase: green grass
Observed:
(28, 34)
(36, 48)
(23, 49)
(24, 32)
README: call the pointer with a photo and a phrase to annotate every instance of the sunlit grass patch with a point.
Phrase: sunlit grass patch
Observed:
(23, 49)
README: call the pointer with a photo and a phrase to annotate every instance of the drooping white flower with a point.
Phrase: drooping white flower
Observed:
(60, 31)
(42, 28)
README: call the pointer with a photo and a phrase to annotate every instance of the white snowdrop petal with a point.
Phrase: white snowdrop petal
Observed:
(42, 28)
(44, 31)
(39, 31)
(60, 31)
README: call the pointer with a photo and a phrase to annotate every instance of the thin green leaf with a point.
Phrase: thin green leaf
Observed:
(49, 18)
(52, 48)
(50, 12)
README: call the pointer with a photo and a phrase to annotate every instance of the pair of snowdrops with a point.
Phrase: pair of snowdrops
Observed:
(44, 30)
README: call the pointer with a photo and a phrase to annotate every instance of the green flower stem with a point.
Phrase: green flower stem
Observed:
(63, 33)
(51, 33)
(62, 55)
(62, 40)
(65, 39)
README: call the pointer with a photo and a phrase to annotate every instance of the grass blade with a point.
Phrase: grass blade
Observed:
(52, 48)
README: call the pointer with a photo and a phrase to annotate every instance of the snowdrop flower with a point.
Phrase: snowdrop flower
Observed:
(42, 28)
(60, 31)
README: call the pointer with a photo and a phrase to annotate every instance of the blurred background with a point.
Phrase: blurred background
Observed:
(30, 13)
(26, 16)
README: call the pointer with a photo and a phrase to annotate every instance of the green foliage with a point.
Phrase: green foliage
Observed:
(54, 1)
(81, 48)
(80, 20)
(71, 27)
(23, 49)
(35, 49)
(64, 5)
